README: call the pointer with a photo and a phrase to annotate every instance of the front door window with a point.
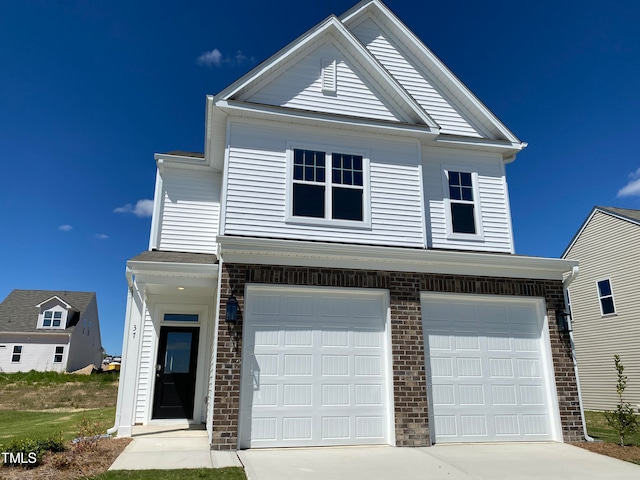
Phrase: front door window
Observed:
(176, 372)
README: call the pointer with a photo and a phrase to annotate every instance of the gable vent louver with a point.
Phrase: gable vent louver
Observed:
(329, 77)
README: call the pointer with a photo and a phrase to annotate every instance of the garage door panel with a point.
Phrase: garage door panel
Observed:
(487, 383)
(317, 379)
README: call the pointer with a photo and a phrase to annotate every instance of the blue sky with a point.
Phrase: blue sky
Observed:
(90, 90)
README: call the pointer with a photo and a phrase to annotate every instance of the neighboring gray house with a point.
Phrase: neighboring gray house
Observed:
(338, 268)
(605, 304)
(49, 330)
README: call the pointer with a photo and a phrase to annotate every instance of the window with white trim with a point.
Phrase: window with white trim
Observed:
(17, 354)
(461, 203)
(52, 319)
(605, 295)
(55, 317)
(328, 186)
(57, 358)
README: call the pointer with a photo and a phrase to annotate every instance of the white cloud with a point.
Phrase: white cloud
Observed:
(215, 58)
(211, 58)
(65, 228)
(101, 236)
(632, 188)
(142, 208)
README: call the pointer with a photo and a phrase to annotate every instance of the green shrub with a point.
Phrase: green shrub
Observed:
(623, 419)
(30, 450)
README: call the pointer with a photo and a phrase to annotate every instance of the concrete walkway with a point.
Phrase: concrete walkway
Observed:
(182, 446)
(169, 447)
(539, 461)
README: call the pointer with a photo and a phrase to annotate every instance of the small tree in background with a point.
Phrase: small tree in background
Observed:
(623, 418)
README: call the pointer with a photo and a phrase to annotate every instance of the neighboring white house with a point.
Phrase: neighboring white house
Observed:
(338, 267)
(49, 330)
(605, 304)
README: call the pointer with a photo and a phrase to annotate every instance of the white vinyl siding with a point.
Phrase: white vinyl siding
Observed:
(190, 210)
(256, 187)
(301, 87)
(144, 396)
(383, 46)
(34, 356)
(85, 347)
(492, 202)
(608, 247)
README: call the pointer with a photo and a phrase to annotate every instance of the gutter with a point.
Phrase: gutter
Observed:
(572, 276)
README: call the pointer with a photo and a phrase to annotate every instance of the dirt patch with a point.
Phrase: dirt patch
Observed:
(75, 463)
(628, 454)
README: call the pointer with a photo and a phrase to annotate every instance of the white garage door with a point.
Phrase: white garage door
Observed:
(489, 369)
(314, 368)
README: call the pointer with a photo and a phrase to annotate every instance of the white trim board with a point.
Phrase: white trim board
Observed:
(367, 257)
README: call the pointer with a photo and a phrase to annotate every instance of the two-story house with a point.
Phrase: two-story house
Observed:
(605, 311)
(338, 267)
(49, 330)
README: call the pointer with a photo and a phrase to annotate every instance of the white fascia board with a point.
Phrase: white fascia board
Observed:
(328, 26)
(506, 148)
(55, 297)
(299, 117)
(366, 257)
(179, 161)
(146, 272)
(451, 82)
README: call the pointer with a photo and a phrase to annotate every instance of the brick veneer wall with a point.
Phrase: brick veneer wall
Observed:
(409, 379)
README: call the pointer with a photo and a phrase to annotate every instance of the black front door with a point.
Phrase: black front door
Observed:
(176, 372)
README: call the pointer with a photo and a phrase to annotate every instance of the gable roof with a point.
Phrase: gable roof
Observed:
(442, 75)
(393, 92)
(625, 214)
(477, 124)
(19, 311)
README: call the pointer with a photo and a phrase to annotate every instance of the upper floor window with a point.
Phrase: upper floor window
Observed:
(605, 294)
(52, 319)
(329, 187)
(462, 204)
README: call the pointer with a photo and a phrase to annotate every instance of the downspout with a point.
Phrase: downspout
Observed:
(116, 425)
(572, 276)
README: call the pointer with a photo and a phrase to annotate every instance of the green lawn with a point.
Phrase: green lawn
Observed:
(49, 378)
(598, 428)
(229, 473)
(16, 424)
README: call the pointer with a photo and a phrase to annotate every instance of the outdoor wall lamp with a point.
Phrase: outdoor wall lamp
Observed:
(564, 321)
(232, 309)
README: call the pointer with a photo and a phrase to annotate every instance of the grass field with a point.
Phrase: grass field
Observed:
(45, 391)
(16, 424)
(599, 429)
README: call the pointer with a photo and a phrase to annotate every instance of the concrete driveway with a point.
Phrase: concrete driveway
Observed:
(546, 461)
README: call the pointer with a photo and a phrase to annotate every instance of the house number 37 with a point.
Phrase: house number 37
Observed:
(135, 327)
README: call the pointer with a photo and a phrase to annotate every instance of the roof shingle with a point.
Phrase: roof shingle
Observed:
(18, 312)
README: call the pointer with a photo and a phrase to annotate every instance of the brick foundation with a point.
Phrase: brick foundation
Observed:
(409, 379)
